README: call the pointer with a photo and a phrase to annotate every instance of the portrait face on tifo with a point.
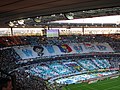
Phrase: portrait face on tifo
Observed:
(38, 50)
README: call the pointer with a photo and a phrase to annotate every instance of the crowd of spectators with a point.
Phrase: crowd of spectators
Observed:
(37, 40)
(8, 57)
(24, 81)
(39, 73)
(27, 81)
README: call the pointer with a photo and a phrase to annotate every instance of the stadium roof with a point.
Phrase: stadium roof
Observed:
(11, 10)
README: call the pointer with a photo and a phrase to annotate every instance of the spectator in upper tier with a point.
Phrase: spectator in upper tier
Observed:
(5, 84)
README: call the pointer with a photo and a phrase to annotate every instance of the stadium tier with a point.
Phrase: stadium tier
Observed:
(52, 62)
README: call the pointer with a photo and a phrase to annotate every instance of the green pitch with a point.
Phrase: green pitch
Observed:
(107, 84)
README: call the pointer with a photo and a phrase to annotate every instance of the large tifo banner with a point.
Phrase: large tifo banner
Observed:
(26, 52)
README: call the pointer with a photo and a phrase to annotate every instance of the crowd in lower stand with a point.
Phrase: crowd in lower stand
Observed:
(56, 68)
(34, 76)
(39, 73)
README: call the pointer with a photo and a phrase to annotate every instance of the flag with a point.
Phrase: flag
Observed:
(64, 48)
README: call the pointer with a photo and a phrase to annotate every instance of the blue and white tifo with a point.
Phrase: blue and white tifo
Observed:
(71, 71)
(27, 52)
(67, 70)
(83, 77)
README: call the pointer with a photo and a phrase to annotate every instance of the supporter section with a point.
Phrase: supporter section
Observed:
(57, 68)
(62, 60)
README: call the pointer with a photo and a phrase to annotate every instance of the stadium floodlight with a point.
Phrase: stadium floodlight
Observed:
(37, 19)
(53, 15)
(15, 26)
(11, 24)
(69, 16)
(20, 21)
(61, 14)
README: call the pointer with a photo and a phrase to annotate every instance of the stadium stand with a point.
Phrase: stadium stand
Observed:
(65, 60)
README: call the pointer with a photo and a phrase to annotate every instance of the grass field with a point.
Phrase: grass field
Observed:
(107, 84)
